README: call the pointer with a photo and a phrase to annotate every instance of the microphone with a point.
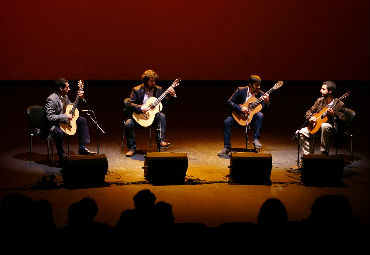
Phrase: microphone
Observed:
(87, 110)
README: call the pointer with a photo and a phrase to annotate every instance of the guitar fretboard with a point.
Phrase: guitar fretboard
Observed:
(334, 104)
(159, 99)
(76, 101)
(260, 99)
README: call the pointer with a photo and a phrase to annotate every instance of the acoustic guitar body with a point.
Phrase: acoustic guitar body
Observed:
(314, 127)
(70, 128)
(145, 120)
(243, 119)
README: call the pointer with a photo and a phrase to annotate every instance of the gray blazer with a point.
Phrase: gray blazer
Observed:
(54, 111)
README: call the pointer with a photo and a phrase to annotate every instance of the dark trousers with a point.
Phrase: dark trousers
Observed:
(131, 124)
(229, 122)
(82, 132)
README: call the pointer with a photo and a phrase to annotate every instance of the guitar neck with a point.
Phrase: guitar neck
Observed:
(159, 99)
(332, 106)
(75, 105)
(260, 99)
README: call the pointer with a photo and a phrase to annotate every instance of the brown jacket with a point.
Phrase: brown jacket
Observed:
(339, 110)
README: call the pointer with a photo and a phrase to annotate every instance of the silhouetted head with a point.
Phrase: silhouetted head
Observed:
(84, 210)
(16, 212)
(43, 214)
(331, 210)
(164, 213)
(272, 212)
(144, 199)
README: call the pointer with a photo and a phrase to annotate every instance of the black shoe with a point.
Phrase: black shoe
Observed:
(85, 151)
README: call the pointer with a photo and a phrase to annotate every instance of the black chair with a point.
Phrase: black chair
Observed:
(346, 132)
(36, 120)
(126, 114)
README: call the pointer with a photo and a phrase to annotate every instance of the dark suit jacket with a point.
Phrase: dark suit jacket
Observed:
(339, 110)
(239, 97)
(134, 102)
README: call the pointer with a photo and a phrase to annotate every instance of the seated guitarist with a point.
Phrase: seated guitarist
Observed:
(55, 115)
(135, 103)
(336, 115)
(240, 96)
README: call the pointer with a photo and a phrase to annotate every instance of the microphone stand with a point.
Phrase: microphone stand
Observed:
(97, 126)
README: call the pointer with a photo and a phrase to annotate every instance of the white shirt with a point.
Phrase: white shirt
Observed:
(248, 95)
(147, 94)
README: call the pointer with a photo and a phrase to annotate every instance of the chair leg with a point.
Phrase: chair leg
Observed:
(30, 147)
(48, 146)
(52, 151)
(351, 144)
(246, 143)
(69, 153)
(313, 145)
(160, 137)
(298, 149)
(150, 137)
(123, 138)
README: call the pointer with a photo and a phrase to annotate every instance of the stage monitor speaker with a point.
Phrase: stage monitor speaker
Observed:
(318, 168)
(251, 167)
(165, 168)
(85, 170)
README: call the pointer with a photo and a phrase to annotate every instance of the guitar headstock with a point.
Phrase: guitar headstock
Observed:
(176, 83)
(81, 84)
(278, 84)
(344, 96)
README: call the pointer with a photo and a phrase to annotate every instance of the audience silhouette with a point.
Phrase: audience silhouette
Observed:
(272, 214)
(22, 218)
(43, 218)
(140, 218)
(16, 215)
(81, 226)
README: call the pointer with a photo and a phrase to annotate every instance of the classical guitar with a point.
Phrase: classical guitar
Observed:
(155, 106)
(254, 106)
(70, 127)
(322, 117)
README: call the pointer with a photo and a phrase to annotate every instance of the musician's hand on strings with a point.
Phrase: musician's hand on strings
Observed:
(172, 91)
(80, 94)
(266, 98)
(145, 109)
(331, 112)
(313, 119)
(245, 110)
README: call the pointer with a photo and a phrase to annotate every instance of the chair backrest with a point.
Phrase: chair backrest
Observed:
(350, 116)
(36, 116)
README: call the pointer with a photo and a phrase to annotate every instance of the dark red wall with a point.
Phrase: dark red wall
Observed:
(197, 40)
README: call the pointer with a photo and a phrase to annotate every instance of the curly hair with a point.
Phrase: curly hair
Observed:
(148, 74)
